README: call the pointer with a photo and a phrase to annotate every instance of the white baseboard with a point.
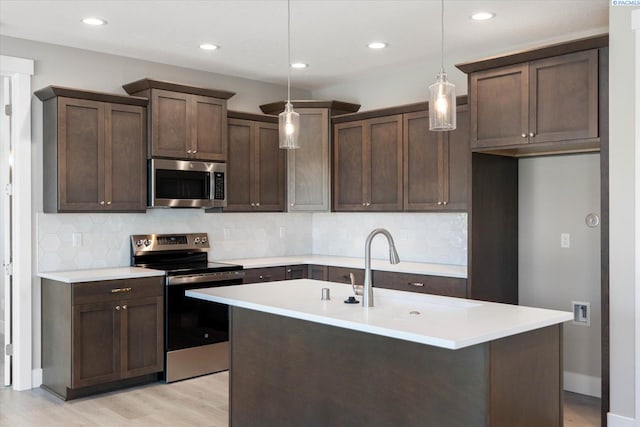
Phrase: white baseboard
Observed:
(36, 378)
(614, 420)
(583, 384)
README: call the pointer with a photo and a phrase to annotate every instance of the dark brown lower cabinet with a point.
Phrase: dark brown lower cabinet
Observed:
(99, 336)
(341, 275)
(296, 272)
(266, 274)
(317, 272)
(437, 285)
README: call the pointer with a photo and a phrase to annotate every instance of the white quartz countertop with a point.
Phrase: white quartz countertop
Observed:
(447, 270)
(98, 274)
(445, 322)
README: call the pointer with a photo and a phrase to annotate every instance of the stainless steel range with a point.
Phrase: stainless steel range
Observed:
(196, 331)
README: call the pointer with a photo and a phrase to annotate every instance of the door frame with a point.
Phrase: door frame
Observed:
(20, 70)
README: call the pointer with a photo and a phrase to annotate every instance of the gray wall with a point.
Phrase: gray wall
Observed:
(555, 195)
(622, 81)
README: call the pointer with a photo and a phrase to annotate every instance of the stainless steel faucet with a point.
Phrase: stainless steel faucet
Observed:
(367, 294)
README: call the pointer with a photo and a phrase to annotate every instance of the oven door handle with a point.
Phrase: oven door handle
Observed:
(203, 278)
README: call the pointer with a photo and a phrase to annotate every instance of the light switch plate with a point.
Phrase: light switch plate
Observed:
(565, 240)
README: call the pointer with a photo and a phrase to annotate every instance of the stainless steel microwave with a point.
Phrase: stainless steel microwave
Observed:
(187, 184)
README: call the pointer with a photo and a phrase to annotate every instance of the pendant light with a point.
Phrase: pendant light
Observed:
(442, 95)
(288, 120)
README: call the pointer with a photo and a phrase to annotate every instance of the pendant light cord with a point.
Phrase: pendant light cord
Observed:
(442, 36)
(288, 51)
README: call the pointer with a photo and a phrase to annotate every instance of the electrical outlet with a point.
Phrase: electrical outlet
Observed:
(283, 233)
(565, 240)
(581, 313)
(76, 239)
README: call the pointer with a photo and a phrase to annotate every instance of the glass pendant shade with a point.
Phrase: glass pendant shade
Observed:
(289, 128)
(442, 104)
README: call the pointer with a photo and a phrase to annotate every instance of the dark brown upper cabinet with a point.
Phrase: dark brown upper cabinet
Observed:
(255, 167)
(309, 167)
(436, 164)
(546, 104)
(367, 164)
(94, 151)
(185, 122)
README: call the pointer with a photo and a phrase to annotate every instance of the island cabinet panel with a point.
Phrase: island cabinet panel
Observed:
(548, 105)
(267, 274)
(94, 152)
(186, 122)
(438, 285)
(255, 167)
(368, 165)
(436, 164)
(363, 379)
(100, 336)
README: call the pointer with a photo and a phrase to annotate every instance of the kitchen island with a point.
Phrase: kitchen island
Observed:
(411, 360)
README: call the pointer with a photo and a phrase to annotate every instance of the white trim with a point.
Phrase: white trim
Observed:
(10, 65)
(583, 384)
(614, 420)
(36, 378)
(635, 25)
(22, 214)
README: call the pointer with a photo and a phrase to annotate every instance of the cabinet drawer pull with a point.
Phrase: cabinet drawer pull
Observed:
(288, 270)
(417, 284)
(265, 277)
(116, 290)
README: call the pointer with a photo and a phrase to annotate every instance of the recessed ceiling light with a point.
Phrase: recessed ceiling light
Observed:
(209, 46)
(94, 21)
(482, 16)
(299, 65)
(377, 45)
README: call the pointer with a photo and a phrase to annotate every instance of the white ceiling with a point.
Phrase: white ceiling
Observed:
(330, 35)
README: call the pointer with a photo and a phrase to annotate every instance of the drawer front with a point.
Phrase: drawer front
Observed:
(296, 272)
(317, 272)
(269, 274)
(114, 290)
(341, 275)
(437, 285)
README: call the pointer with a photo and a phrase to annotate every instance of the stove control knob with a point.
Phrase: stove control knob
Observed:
(203, 240)
(196, 240)
(147, 242)
(139, 243)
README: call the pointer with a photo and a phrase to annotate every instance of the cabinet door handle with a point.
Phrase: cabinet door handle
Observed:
(258, 204)
(102, 202)
(532, 134)
(524, 135)
(109, 202)
(288, 270)
(416, 284)
(195, 151)
(439, 203)
(116, 290)
(364, 204)
(118, 307)
(293, 204)
(265, 277)
(124, 307)
(188, 151)
(368, 203)
(253, 205)
(445, 203)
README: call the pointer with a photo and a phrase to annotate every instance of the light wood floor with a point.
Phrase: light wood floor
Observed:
(196, 402)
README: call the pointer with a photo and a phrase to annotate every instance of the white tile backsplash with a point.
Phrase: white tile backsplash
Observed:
(420, 237)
